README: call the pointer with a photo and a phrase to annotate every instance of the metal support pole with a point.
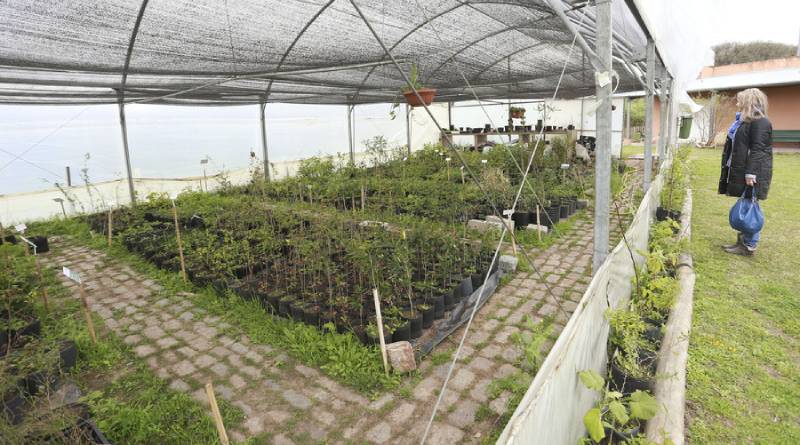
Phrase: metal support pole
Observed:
(69, 177)
(672, 119)
(124, 127)
(350, 110)
(583, 82)
(449, 114)
(648, 113)
(265, 152)
(602, 186)
(408, 128)
(662, 124)
(627, 109)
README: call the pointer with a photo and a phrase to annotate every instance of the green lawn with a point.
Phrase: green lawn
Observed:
(744, 356)
(628, 150)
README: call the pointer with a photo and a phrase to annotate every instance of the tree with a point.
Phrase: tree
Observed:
(637, 112)
(733, 52)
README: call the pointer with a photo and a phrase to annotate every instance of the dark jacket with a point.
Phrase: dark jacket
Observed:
(751, 151)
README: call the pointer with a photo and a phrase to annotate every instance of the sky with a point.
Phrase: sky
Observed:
(170, 141)
(746, 20)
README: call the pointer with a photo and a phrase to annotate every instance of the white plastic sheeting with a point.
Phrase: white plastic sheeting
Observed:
(552, 409)
(682, 31)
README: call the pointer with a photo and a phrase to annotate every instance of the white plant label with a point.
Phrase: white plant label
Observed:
(508, 212)
(564, 166)
(602, 79)
(20, 228)
(71, 274)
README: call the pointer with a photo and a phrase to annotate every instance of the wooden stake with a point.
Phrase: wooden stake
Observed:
(363, 198)
(538, 224)
(513, 238)
(212, 400)
(44, 288)
(380, 330)
(178, 235)
(110, 228)
(87, 312)
(462, 175)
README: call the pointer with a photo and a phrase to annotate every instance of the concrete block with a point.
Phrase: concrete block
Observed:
(508, 263)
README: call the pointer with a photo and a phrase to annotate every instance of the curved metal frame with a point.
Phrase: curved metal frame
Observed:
(436, 16)
(294, 42)
(121, 99)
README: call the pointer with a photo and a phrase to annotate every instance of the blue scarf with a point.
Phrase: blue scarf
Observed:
(735, 125)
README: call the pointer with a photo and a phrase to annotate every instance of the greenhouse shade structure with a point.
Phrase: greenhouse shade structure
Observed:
(343, 52)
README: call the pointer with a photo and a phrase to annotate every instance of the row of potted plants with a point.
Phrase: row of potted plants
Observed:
(635, 338)
(312, 264)
(31, 365)
(429, 184)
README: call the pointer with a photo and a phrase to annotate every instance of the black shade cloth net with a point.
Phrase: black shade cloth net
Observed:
(228, 52)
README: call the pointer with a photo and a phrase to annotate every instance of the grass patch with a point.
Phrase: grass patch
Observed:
(744, 356)
(127, 401)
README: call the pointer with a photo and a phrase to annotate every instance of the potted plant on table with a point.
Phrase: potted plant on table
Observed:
(517, 112)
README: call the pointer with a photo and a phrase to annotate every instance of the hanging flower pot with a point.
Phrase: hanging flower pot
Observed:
(427, 95)
(517, 113)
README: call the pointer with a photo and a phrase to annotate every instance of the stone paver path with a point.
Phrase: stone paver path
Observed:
(286, 402)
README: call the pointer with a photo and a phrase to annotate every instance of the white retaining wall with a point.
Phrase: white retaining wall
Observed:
(552, 410)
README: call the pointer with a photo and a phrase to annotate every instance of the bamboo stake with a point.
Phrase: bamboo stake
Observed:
(87, 312)
(363, 198)
(110, 228)
(380, 330)
(538, 224)
(178, 235)
(212, 400)
(44, 288)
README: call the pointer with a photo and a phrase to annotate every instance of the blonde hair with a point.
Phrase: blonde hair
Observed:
(754, 104)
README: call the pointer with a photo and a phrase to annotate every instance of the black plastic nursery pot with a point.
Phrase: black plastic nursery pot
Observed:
(285, 307)
(311, 316)
(19, 336)
(477, 279)
(14, 406)
(402, 332)
(273, 301)
(11, 239)
(662, 214)
(614, 436)
(41, 244)
(553, 216)
(564, 211)
(521, 219)
(449, 300)
(466, 287)
(415, 324)
(428, 315)
(438, 307)
(296, 310)
(627, 384)
(68, 352)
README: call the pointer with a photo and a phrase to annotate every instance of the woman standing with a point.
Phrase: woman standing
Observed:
(747, 159)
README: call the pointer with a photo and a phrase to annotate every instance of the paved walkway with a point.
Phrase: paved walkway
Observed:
(286, 402)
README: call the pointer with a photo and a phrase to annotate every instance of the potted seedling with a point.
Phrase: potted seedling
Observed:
(615, 418)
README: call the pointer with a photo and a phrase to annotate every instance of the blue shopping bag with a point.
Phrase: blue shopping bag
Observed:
(746, 216)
